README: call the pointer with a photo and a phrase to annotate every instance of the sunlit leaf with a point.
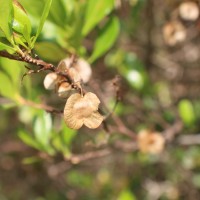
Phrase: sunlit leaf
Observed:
(13, 69)
(57, 13)
(6, 17)
(95, 12)
(21, 23)
(126, 195)
(42, 20)
(7, 89)
(6, 48)
(106, 38)
(42, 128)
(186, 112)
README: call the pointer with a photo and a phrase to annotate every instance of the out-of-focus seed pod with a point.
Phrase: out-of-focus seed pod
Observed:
(150, 142)
(64, 90)
(74, 75)
(174, 33)
(84, 70)
(82, 67)
(50, 81)
(189, 11)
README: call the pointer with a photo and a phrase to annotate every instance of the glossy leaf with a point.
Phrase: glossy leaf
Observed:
(21, 23)
(42, 20)
(95, 12)
(106, 38)
(6, 17)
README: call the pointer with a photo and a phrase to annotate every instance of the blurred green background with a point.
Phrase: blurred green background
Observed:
(155, 51)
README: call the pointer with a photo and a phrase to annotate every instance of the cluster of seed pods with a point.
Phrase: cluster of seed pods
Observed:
(81, 108)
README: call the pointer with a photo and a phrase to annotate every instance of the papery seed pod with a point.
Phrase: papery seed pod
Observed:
(81, 110)
(84, 70)
(150, 142)
(64, 90)
(50, 81)
(189, 11)
(174, 33)
(81, 66)
(74, 75)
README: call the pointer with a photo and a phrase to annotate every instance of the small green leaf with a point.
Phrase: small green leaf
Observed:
(126, 195)
(7, 89)
(13, 69)
(106, 38)
(95, 12)
(42, 20)
(27, 139)
(49, 51)
(7, 48)
(57, 13)
(21, 23)
(6, 15)
(42, 128)
(186, 112)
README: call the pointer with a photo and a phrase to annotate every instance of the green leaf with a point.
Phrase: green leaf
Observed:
(95, 12)
(27, 139)
(42, 128)
(21, 23)
(7, 48)
(6, 14)
(57, 13)
(126, 195)
(13, 69)
(106, 38)
(7, 89)
(42, 20)
(186, 112)
(49, 51)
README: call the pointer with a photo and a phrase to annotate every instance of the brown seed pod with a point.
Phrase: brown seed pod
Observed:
(64, 90)
(81, 67)
(50, 81)
(174, 33)
(150, 142)
(81, 110)
(189, 11)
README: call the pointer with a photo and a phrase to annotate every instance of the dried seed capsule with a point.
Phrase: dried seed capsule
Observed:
(50, 81)
(81, 110)
(81, 67)
(150, 142)
(189, 11)
(64, 90)
(174, 33)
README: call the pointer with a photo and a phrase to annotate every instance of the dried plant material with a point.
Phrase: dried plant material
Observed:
(150, 142)
(74, 75)
(64, 90)
(82, 68)
(189, 11)
(174, 33)
(81, 110)
(50, 81)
